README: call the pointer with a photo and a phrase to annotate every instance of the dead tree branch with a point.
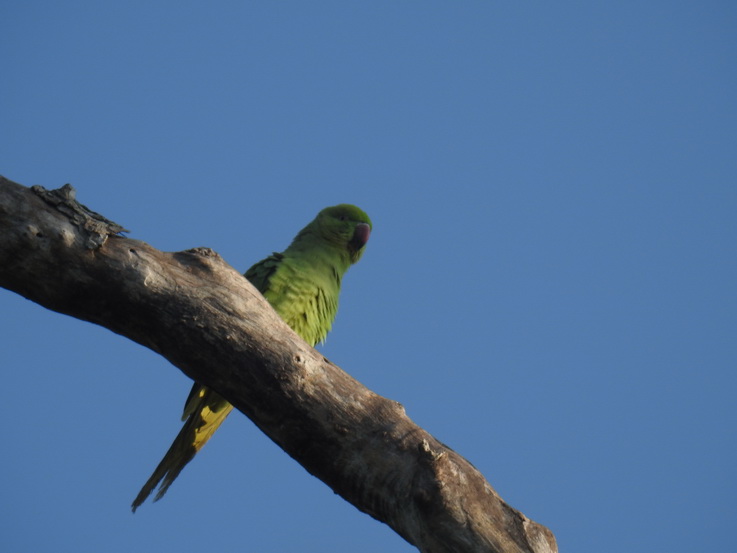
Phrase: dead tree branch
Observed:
(205, 318)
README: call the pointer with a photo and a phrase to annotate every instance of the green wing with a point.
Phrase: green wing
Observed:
(204, 411)
(261, 272)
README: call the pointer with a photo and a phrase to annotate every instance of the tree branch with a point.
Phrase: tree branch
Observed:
(205, 318)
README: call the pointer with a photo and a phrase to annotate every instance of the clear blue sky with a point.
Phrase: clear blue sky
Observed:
(550, 287)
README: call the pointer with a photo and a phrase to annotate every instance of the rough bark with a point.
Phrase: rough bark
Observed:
(205, 318)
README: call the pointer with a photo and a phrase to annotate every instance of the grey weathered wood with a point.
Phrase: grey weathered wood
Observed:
(203, 316)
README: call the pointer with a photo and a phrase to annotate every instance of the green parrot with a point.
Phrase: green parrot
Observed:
(302, 284)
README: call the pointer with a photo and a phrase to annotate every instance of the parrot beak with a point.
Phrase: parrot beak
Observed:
(360, 235)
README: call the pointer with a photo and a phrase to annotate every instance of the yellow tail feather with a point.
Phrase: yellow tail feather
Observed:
(205, 411)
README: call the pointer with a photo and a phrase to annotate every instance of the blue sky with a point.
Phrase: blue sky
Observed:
(549, 288)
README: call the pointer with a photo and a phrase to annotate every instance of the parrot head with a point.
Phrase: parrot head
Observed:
(345, 226)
